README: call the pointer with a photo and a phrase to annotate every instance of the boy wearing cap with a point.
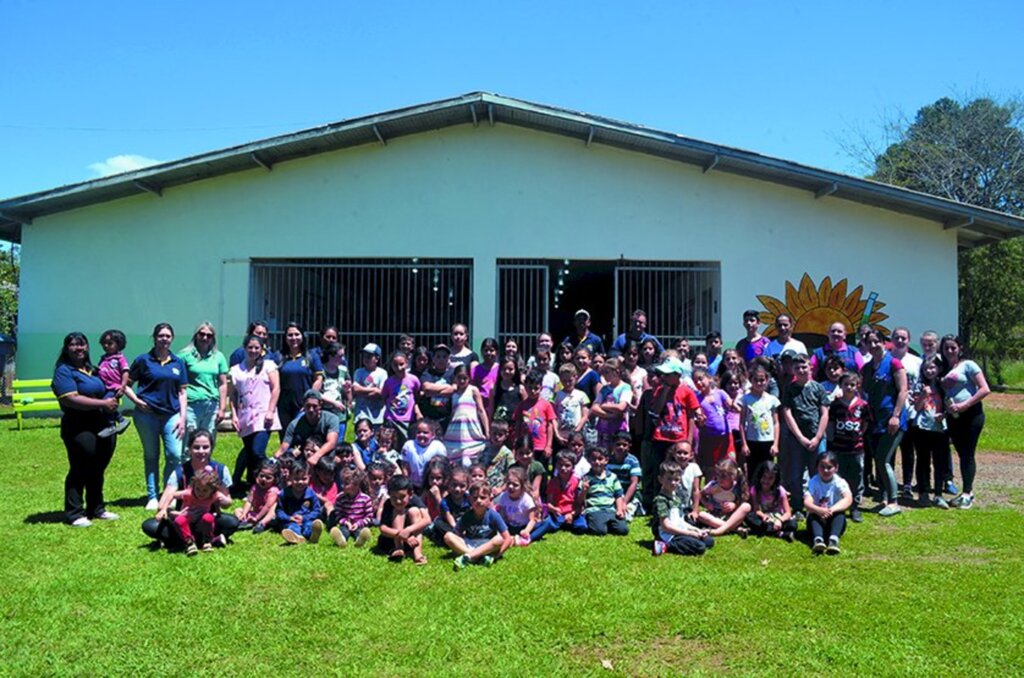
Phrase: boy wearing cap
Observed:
(674, 408)
(584, 337)
(367, 387)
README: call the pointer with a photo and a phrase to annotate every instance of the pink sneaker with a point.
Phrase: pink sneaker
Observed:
(659, 548)
(523, 539)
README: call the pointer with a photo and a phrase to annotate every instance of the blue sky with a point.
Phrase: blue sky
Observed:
(87, 83)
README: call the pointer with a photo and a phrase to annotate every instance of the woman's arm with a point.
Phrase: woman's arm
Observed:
(275, 393)
(983, 390)
(77, 401)
(182, 424)
(900, 376)
(222, 390)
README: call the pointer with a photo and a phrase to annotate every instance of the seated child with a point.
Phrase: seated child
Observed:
(517, 506)
(298, 508)
(200, 503)
(387, 449)
(260, 504)
(689, 487)
(770, 514)
(480, 531)
(377, 476)
(725, 501)
(402, 522)
(561, 495)
(353, 510)
(672, 532)
(434, 489)
(365, 444)
(418, 450)
(826, 498)
(344, 457)
(309, 448)
(578, 445)
(477, 473)
(324, 485)
(455, 503)
(534, 469)
(626, 468)
(600, 497)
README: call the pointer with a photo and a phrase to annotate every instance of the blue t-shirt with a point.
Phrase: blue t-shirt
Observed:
(484, 527)
(158, 383)
(297, 376)
(629, 468)
(69, 380)
(456, 508)
(591, 341)
(590, 384)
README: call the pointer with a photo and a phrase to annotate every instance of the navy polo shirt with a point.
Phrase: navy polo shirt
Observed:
(238, 356)
(591, 341)
(318, 353)
(297, 376)
(158, 383)
(69, 380)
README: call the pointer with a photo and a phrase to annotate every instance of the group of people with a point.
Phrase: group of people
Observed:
(481, 452)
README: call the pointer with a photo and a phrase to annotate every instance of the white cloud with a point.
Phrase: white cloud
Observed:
(120, 163)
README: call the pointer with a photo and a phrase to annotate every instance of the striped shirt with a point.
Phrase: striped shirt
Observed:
(357, 510)
(602, 493)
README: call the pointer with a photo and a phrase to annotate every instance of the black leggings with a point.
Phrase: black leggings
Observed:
(760, 527)
(88, 458)
(163, 530)
(932, 449)
(824, 529)
(759, 452)
(964, 431)
(907, 447)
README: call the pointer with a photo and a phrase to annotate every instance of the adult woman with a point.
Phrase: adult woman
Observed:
(157, 387)
(964, 387)
(260, 329)
(328, 336)
(255, 388)
(200, 448)
(885, 385)
(207, 390)
(299, 372)
(461, 353)
(86, 411)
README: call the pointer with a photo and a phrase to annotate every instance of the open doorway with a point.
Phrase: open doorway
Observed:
(586, 285)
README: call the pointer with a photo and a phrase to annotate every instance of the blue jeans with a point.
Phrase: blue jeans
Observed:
(154, 427)
(554, 522)
(202, 414)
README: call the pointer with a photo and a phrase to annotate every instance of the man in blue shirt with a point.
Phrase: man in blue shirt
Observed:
(584, 337)
(637, 332)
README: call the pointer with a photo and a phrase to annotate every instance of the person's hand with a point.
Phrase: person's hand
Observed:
(728, 506)
(825, 512)
(703, 534)
(776, 524)
(143, 406)
(953, 408)
(109, 404)
(403, 535)
(221, 416)
(412, 541)
(161, 514)
(894, 425)
(179, 428)
(701, 417)
(119, 391)
(268, 421)
(297, 519)
(774, 451)
(695, 514)
(745, 451)
(620, 514)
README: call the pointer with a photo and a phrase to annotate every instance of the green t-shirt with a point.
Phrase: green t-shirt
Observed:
(602, 493)
(203, 374)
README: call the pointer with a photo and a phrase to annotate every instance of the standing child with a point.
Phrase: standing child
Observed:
(399, 393)
(804, 419)
(298, 508)
(833, 370)
(732, 382)
(759, 422)
(725, 499)
(931, 440)
(535, 417)
(113, 372)
(402, 521)
(367, 385)
(419, 450)
(485, 375)
(847, 422)
(199, 505)
(353, 511)
(337, 386)
(770, 512)
(826, 498)
(612, 405)
(260, 504)
(571, 405)
(588, 380)
(507, 393)
(672, 532)
(549, 380)
(467, 432)
(626, 468)
(600, 497)
(715, 439)
(517, 507)
(480, 532)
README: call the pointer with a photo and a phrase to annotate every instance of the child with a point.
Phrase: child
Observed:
(847, 424)
(930, 438)
(260, 504)
(199, 504)
(549, 380)
(485, 375)
(805, 418)
(377, 476)
(713, 349)
(770, 512)
(672, 532)
(508, 392)
(689, 486)
(388, 450)
(534, 470)
(752, 346)
(367, 384)
(353, 511)
(113, 372)
(561, 495)
(517, 507)
(826, 498)
(588, 380)
(759, 422)
(345, 458)
(434, 486)
(477, 474)
(454, 504)
(578, 446)
(600, 497)
(467, 433)
(365, 444)
(534, 417)
(725, 499)
(324, 486)
(571, 405)
(715, 440)
(733, 384)
(337, 385)
(833, 370)
(479, 532)
(497, 457)
(402, 522)
(399, 393)
(298, 508)
(626, 468)
(612, 404)
(418, 450)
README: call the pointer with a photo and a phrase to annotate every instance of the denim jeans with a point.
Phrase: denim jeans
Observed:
(154, 428)
(202, 414)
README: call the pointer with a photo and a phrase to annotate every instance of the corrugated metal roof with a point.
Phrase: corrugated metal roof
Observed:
(975, 225)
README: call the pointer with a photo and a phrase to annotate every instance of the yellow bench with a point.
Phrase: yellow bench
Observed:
(33, 395)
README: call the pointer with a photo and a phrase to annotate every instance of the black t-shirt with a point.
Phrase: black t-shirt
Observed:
(387, 514)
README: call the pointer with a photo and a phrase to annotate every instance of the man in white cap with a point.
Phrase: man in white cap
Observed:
(584, 337)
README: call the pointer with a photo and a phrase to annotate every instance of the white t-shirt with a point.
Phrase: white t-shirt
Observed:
(758, 422)
(827, 494)
(569, 409)
(417, 457)
(370, 408)
(516, 512)
(776, 348)
(685, 491)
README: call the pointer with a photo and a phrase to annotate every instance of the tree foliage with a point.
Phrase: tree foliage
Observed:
(971, 152)
(10, 271)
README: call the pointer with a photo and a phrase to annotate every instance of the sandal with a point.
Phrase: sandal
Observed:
(397, 554)
(420, 560)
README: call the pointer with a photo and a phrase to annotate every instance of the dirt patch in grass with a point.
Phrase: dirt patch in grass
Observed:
(997, 473)
(659, 656)
(962, 555)
(1014, 402)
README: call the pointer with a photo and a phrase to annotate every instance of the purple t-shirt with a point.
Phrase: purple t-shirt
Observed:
(713, 405)
(400, 398)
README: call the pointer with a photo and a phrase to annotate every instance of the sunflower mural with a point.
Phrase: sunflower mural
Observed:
(813, 309)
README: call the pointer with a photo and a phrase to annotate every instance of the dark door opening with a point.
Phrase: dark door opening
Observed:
(586, 285)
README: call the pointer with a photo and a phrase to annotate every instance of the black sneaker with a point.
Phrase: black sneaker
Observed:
(856, 516)
(819, 546)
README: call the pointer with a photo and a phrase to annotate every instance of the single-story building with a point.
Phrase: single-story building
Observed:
(502, 213)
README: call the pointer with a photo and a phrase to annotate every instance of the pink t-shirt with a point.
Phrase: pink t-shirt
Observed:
(110, 369)
(484, 378)
(260, 498)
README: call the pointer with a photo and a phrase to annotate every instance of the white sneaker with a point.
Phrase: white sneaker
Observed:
(81, 522)
(107, 515)
(152, 504)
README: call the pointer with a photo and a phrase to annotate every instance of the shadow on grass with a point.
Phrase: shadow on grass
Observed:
(45, 518)
(129, 502)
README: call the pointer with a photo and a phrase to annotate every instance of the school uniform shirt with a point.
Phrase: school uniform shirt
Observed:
(827, 494)
(204, 374)
(297, 376)
(672, 424)
(603, 492)
(487, 526)
(157, 383)
(805, 401)
(516, 512)
(68, 381)
(569, 409)
(591, 341)
(416, 457)
(307, 506)
(371, 408)
(758, 420)
(590, 383)
(848, 423)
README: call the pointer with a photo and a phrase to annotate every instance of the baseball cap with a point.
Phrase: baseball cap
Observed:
(441, 347)
(372, 348)
(583, 312)
(670, 366)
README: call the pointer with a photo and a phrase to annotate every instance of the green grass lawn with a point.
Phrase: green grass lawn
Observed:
(927, 592)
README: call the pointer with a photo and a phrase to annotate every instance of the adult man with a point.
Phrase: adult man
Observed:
(637, 332)
(784, 339)
(584, 337)
(313, 420)
(836, 346)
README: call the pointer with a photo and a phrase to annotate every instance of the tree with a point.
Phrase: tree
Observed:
(971, 152)
(10, 270)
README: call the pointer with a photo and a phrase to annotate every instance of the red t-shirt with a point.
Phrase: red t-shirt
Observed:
(673, 422)
(562, 497)
(532, 420)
